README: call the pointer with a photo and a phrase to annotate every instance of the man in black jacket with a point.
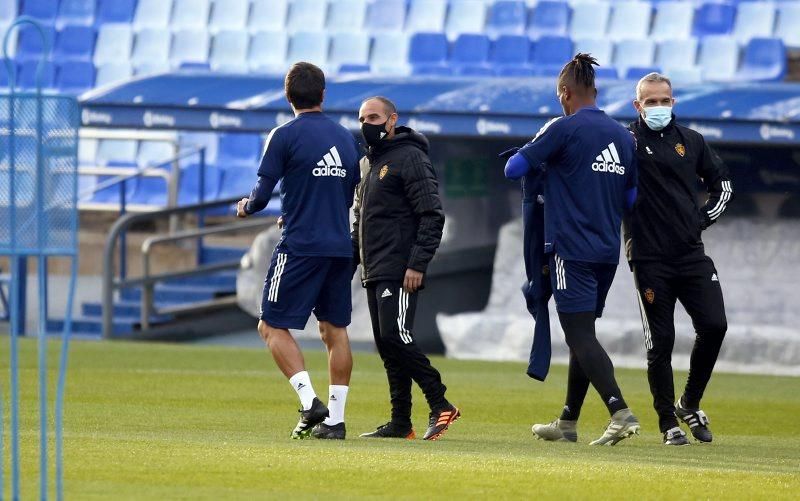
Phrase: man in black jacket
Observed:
(665, 249)
(398, 227)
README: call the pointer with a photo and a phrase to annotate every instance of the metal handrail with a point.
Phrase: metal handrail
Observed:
(148, 281)
(109, 284)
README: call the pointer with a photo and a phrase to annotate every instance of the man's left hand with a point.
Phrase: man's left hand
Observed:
(240, 208)
(412, 281)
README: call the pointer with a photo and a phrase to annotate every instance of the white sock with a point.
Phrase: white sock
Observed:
(301, 382)
(336, 403)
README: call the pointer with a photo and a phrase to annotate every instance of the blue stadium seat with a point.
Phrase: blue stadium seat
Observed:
(634, 53)
(714, 19)
(764, 60)
(601, 48)
(428, 53)
(550, 54)
(788, 21)
(465, 17)
(111, 73)
(116, 11)
(29, 45)
(630, 20)
(152, 14)
(76, 13)
(121, 151)
(268, 15)
(676, 54)
(237, 181)
(238, 149)
(190, 15)
(590, 20)
(512, 50)
(189, 185)
(637, 72)
(688, 75)
(363, 69)
(306, 16)
(549, 18)
(75, 43)
(386, 15)
(719, 58)
(346, 16)
(151, 48)
(309, 46)
(26, 75)
(229, 15)
(114, 44)
(431, 70)
(470, 55)
(192, 141)
(267, 53)
(390, 54)
(75, 77)
(349, 48)
(43, 10)
(754, 19)
(606, 73)
(189, 46)
(229, 51)
(426, 16)
(152, 153)
(149, 190)
(673, 21)
(507, 17)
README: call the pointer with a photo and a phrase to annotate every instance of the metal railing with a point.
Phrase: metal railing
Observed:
(148, 281)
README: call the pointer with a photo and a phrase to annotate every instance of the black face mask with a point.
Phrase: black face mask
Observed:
(373, 133)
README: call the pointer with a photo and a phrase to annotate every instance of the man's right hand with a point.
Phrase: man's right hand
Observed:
(240, 212)
(280, 222)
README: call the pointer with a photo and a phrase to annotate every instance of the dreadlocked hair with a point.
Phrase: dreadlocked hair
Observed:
(579, 71)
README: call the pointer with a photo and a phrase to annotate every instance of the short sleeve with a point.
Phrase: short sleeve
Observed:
(273, 162)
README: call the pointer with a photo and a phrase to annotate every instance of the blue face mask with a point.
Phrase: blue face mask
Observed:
(657, 117)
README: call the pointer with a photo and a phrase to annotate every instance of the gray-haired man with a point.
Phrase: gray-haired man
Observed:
(665, 249)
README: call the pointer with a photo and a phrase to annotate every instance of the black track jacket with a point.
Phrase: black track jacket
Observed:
(666, 222)
(399, 216)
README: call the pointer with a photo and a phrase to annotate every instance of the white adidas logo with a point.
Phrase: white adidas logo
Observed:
(608, 161)
(330, 165)
(714, 278)
(386, 293)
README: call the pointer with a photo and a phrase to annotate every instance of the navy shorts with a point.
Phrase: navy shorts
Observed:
(297, 285)
(579, 286)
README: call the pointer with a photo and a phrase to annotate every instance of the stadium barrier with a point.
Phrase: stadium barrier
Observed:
(38, 207)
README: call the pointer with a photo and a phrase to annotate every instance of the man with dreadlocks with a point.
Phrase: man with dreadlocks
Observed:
(589, 166)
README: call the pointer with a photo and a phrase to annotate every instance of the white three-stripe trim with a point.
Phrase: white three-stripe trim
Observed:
(561, 276)
(648, 340)
(724, 198)
(402, 302)
(275, 281)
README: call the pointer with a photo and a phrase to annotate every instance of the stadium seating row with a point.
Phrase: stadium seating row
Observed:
(80, 67)
(583, 18)
(230, 168)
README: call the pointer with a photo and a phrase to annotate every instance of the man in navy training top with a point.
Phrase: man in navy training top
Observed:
(316, 160)
(589, 164)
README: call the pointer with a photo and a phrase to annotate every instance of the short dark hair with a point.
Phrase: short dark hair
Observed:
(304, 85)
(579, 72)
(388, 105)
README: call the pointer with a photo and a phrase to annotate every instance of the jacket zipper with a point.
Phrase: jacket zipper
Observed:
(362, 255)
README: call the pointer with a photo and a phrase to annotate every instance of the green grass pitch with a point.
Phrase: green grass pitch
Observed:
(149, 421)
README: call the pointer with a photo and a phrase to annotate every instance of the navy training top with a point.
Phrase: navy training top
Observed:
(316, 160)
(589, 162)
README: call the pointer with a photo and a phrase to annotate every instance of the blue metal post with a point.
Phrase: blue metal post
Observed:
(123, 244)
(201, 216)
